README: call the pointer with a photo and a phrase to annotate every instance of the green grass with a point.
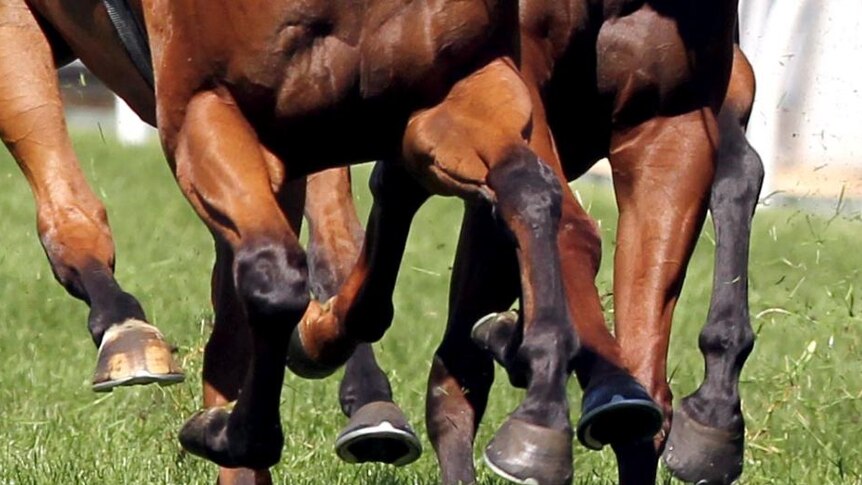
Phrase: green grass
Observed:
(801, 388)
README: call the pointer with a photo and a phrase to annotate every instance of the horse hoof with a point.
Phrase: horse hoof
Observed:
(617, 410)
(496, 333)
(495, 330)
(301, 364)
(529, 454)
(378, 432)
(206, 434)
(134, 353)
(702, 454)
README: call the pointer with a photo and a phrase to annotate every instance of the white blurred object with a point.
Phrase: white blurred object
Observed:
(807, 116)
(129, 127)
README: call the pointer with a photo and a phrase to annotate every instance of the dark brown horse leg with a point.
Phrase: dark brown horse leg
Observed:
(227, 356)
(362, 310)
(614, 407)
(231, 183)
(72, 222)
(377, 431)
(662, 187)
(484, 280)
(228, 351)
(707, 437)
(535, 441)
(481, 124)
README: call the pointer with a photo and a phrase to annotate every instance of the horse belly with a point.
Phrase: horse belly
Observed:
(317, 79)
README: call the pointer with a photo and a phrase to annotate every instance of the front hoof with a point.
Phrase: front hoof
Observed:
(378, 432)
(206, 434)
(702, 454)
(303, 365)
(134, 353)
(617, 410)
(529, 454)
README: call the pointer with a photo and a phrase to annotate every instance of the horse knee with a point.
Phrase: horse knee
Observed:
(733, 335)
(272, 281)
(527, 192)
(76, 237)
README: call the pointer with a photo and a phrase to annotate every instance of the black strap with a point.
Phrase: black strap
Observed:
(133, 35)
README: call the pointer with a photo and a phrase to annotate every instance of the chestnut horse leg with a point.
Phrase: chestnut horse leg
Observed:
(706, 441)
(662, 187)
(72, 222)
(484, 280)
(362, 310)
(377, 431)
(224, 172)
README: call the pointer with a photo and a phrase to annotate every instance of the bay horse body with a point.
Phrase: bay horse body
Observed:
(244, 113)
(225, 377)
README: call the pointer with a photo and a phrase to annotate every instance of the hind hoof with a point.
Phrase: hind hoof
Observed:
(496, 333)
(701, 454)
(207, 435)
(495, 330)
(378, 432)
(534, 455)
(617, 410)
(134, 353)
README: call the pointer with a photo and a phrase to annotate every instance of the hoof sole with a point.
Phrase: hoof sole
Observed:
(525, 453)
(696, 453)
(134, 353)
(618, 410)
(378, 432)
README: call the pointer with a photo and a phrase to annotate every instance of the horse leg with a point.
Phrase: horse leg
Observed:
(615, 407)
(377, 431)
(71, 220)
(228, 350)
(227, 355)
(484, 280)
(458, 148)
(362, 310)
(233, 186)
(706, 441)
(661, 187)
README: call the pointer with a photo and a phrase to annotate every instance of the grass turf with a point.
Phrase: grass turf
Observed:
(801, 388)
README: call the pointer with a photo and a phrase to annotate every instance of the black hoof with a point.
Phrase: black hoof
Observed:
(378, 432)
(301, 364)
(497, 333)
(617, 410)
(206, 434)
(702, 454)
(525, 453)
